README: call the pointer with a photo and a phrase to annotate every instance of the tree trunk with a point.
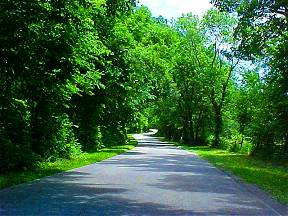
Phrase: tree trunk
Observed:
(218, 127)
(188, 130)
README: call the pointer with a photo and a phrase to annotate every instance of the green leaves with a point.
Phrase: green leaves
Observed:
(52, 54)
(74, 73)
(262, 37)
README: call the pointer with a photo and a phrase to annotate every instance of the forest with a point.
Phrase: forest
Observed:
(79, 75)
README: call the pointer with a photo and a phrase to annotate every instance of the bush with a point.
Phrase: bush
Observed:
(113, 136)
(15, 149)
(66, 145)
(13, 156)
(237, 143)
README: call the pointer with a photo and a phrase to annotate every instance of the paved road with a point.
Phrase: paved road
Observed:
(155, 178)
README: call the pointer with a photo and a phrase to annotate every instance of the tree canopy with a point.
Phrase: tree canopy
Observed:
(79, 75)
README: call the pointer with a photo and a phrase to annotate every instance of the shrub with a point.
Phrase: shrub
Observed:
(13, 156)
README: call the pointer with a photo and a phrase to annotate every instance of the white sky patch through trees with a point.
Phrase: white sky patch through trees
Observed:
(175, 8)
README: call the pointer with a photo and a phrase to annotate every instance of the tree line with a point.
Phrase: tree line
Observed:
(79, 75)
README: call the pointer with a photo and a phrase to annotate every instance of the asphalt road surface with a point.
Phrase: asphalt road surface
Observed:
(155, 178)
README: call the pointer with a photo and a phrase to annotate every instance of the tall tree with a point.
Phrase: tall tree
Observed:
(262, 36)
(219, 28)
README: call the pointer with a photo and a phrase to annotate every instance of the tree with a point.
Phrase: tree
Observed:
(262, 36)
(51, 53)
(219, 29)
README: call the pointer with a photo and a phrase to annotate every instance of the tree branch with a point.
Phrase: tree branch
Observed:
(227, 81)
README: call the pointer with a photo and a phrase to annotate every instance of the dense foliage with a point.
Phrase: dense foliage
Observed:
(78, 75)
(59, 66)
(262, 35)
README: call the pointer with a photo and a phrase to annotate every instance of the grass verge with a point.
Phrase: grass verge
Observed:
(47, 168)
(268, 176)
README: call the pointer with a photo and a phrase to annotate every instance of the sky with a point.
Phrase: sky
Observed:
(175, 8)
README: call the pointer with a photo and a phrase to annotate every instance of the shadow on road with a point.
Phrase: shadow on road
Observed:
(155, 178)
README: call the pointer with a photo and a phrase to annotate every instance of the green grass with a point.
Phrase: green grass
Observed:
(271, 177)
(47, 168)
